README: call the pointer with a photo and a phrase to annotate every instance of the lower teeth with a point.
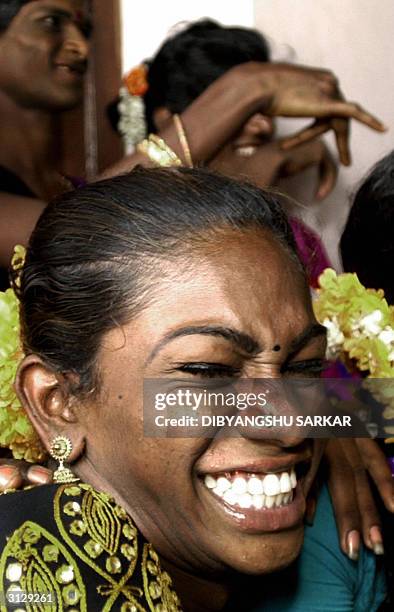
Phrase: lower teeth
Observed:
(256, 501)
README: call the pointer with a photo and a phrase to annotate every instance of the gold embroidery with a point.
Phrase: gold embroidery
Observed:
(158, 584)
(30, 562)
(94, 531)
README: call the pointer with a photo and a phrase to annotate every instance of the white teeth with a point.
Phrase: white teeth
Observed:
(258, 501)
(245, 500)
(278, 500)
(230, 497)
(269, 501)
(223, 484)
(255, 486)
(271, 484)
(210, 482)
(285, 484)
(269, 491)
(239, 485)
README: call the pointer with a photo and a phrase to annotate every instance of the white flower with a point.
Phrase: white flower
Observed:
(387, 335)
(132, 123)
(335, 337)
(370, 324)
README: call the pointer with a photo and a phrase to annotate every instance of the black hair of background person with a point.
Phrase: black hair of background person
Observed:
(189, 61)
(367, 248)
(8, 10)
(367, 242)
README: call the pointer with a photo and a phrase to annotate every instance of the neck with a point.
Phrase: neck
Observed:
(27, 139)
(197, 594)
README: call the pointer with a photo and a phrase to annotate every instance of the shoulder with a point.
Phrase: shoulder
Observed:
(80, 546)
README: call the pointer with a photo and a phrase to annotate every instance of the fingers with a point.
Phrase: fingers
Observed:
(317, 128)
(18, 474)
(39, 475)
(369, 515)
(341, 129)
(343, 494)
(10, 477)
(328, 173)
(376, 464)
(352, 110)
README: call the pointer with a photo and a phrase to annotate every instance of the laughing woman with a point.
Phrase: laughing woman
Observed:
(139, 277)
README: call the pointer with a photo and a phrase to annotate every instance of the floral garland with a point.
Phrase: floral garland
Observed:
(16, 430)
(360, 326)
(132, 124)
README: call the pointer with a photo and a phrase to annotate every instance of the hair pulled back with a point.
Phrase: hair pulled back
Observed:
(188, 62)
(8, 10)
(95, 255)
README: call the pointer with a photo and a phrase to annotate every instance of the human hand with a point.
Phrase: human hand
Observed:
(299, 91)
(18, 474)
(348, 462)
(310, 154)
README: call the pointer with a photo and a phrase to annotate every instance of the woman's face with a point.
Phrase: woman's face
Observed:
(219, 312)
(43, 54)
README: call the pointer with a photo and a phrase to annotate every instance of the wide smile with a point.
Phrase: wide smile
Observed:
(257, 501)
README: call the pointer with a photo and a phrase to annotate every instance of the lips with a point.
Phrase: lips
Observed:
(258, 502)
(73, 68)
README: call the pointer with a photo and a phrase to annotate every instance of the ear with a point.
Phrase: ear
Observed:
(161, 117)
(44, 395)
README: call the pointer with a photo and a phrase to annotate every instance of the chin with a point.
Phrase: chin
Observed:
(270, 554)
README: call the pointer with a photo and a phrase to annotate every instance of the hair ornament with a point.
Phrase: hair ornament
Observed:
(132, 123)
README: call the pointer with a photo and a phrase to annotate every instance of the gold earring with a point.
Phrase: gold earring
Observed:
(61, 449)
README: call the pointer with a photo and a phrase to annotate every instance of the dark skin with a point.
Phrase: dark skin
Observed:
(247, 91)
(195, 534)
(47, 39)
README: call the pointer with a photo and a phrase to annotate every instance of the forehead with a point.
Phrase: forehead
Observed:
(76, 9)
(242, 281)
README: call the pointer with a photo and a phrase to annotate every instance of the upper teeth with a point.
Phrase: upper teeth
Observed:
(254, 490)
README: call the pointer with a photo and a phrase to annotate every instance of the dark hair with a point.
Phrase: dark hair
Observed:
(367, 243)
(188, 62)
(8, 10)
(96, 253)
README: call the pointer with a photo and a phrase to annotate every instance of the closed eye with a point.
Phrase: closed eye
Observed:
(209, 370)
(308, 368)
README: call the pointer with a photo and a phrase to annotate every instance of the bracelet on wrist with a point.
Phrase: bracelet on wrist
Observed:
(158, 151)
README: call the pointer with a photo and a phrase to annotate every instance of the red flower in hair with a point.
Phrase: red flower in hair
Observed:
(136, 81)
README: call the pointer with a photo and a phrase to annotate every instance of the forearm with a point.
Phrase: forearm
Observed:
(212, 119)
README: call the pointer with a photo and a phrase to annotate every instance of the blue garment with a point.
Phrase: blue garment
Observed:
(323, 579)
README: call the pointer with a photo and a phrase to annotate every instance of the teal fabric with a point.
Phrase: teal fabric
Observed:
(323, 579)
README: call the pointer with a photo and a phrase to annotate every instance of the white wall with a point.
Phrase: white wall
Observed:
(146, 23)
(354, 38)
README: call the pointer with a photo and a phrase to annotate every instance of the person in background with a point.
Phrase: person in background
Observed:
(367, 248)
(185, 65)
(367, 241)
(44, 48)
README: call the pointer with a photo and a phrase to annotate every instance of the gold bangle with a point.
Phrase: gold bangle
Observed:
(182, 139)
(158, 151)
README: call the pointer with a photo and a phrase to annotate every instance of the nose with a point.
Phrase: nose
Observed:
(76, 42)
(278, 414)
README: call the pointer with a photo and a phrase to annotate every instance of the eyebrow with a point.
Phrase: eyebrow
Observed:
(84, 21)
(313, 331)
(242, 340)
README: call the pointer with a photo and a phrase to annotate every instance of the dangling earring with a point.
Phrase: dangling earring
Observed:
(60, 450)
